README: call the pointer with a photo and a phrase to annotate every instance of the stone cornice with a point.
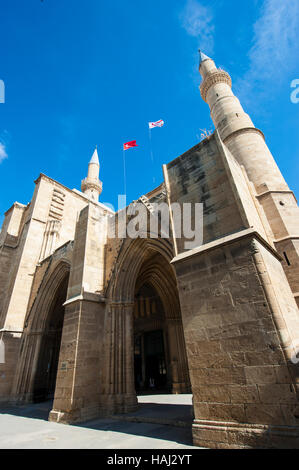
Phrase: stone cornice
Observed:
(56, 183)
(11, 330)
(14, 332)
(247, 233)
(220, 76)
(86, 296)
(276, 191)
(284, 239)
(243, 130)
(18, 205)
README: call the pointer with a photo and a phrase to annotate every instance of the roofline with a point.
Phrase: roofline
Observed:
(154, 191)
(74, 192)
(16, 204)
(191, 150)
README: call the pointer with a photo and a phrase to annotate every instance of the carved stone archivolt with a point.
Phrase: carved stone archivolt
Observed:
(141, 262)
(36, 326)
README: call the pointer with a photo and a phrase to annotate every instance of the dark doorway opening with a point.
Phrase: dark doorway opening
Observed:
(160, 361)
(46, 372)
(151, 355)
(150, 362)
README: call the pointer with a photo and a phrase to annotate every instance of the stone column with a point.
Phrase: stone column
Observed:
(10, 345)
(79, 375)
(119, 395)
(23, 387)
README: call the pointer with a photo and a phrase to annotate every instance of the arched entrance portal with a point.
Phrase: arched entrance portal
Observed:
(144, 336)
(46, 371)
(160, 363)
(37, 366)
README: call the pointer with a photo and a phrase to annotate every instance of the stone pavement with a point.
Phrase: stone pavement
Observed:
(161, 422)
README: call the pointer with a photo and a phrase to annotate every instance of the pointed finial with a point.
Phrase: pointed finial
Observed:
(95, 157)
(202, 57)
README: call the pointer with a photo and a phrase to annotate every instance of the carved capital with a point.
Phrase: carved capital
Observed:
(120, 305)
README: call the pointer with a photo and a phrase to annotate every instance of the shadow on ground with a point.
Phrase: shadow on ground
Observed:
(163, 421)
(34, 410)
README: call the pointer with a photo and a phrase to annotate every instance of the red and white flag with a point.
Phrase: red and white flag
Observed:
(156, 124)
(129, 145)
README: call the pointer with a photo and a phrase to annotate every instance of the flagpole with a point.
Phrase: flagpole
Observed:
(150, 139)
(151, 149)
(124, 159)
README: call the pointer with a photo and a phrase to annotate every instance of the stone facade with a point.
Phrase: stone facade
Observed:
(90, 320)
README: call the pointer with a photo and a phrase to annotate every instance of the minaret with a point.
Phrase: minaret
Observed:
(247, 144)
(236, 129)
(92, 186)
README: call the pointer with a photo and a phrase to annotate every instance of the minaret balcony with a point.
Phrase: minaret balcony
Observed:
(89, 183)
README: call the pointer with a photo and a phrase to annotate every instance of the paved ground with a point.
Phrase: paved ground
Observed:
(27, 427)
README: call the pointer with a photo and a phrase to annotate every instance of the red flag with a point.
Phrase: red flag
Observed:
(129, 145)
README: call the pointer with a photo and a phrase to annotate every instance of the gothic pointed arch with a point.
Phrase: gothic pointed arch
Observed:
(133, 254)
(144, 269)
(42, 332)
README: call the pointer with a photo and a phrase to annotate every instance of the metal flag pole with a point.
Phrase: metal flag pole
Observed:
(124, 159)
(151, 149)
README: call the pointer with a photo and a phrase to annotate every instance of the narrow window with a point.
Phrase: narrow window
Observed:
(286, 258)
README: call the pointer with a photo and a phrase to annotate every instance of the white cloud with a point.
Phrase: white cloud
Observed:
(275, 37)
(274, 49)
(197, 20)
(3, 153)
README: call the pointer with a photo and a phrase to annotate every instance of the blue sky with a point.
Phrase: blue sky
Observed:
(80, 73)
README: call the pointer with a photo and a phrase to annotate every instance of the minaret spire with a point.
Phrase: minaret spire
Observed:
(206, 64)
(91, 185)
(95, 157)
(202, 56)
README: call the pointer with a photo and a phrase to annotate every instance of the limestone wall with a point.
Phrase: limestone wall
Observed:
(9, 243)
(12, 342)
(237, 308)
(35, 241)
(199, 175)
(236, 360)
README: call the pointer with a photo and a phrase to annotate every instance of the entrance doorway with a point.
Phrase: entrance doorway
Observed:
(150, 362)
(160, 362)
(46, 372)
